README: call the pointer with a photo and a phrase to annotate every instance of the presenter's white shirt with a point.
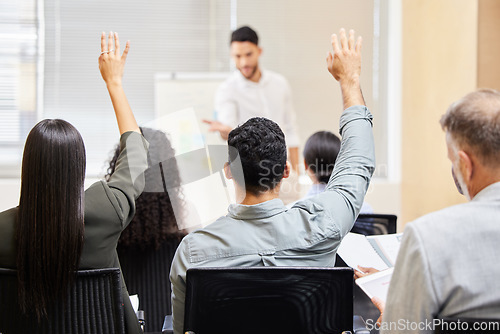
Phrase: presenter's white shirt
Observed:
(239, 99)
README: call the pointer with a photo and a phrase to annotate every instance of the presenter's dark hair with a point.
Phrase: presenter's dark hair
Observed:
(154, 220)
(245, 34)
(50, 228)
(261, 147)
(320, 153)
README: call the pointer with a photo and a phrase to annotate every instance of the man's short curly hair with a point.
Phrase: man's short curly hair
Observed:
(260, 145)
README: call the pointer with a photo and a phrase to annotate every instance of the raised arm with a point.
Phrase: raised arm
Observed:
(355, 163)
(111, 65)
(127, 181)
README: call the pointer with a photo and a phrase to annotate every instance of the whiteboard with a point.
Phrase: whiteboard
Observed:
(182, 101)
(176, 91)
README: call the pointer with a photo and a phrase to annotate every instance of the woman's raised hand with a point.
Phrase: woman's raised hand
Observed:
(111, 63)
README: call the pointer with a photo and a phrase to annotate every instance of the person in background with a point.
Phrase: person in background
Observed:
(147, 246)
(254, 92)
(320, 153)
(58, 227)
(446, 263)
(259, 230)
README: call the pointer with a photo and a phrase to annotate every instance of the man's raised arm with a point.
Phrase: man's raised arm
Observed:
(355, 163)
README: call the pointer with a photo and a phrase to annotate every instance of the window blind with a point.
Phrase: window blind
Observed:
(165, 36)
(18, 66)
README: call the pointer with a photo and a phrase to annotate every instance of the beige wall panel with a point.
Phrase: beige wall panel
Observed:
(489, 44)
(439, 66)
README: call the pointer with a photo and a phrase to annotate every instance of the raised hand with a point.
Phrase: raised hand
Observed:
(111, 63)
(345, 63)
(345, 66)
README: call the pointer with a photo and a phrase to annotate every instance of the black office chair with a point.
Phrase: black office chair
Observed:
(466, 325)
(147, 275)
(375, 224)
(94, 305)
(270, 300)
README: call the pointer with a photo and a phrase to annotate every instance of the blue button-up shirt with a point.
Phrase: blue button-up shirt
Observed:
(270, 234)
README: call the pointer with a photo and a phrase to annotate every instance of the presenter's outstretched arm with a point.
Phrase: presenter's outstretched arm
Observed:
(111, 65)
(216, 126)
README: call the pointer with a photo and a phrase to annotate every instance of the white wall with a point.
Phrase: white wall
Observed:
(9, 194)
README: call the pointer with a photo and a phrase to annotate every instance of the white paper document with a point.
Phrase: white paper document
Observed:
(377, 251)
(376, 285)
(386, 246)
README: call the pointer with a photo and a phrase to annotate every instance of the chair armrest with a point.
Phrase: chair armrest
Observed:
(168, 325)
(141, 319)
(359, 325)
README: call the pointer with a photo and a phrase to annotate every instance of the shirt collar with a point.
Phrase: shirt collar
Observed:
(262, 210)
(245, 81)
(490, 192)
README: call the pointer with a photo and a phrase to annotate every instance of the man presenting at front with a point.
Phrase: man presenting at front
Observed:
(254, 92)
(260, 230)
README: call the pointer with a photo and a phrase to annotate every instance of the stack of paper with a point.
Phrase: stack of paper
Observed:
(377, 251)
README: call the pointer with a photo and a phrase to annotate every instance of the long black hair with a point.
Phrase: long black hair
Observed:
(155, 219)
(50, 228)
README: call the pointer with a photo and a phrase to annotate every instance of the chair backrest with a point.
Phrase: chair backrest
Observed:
(94, 305)
(375, 224)
(269, 300)
(147, 275)
(466, 325)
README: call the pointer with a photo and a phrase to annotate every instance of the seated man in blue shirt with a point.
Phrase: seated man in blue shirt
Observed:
(260, 230)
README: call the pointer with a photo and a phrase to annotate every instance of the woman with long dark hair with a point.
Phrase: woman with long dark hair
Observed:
(58, 227)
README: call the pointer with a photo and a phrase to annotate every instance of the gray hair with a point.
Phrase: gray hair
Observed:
(474, 123)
